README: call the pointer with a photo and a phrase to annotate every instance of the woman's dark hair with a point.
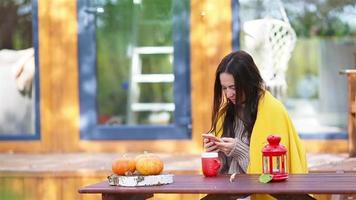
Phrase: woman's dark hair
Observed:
(249, 87)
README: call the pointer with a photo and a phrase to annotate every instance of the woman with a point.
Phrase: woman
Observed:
(244, 114)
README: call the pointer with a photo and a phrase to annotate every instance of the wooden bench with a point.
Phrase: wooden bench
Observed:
(351, 76)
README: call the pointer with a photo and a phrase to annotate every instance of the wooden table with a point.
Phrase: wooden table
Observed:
(314, 183)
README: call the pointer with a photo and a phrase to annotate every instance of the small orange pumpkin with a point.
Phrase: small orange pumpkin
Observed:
(123, 166)
(149, 164)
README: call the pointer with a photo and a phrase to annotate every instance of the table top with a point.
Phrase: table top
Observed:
(348, 71)
(313, 183)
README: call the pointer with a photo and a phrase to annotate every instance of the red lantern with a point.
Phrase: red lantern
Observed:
(274, 159)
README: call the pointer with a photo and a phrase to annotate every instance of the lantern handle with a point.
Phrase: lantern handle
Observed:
(274, 140)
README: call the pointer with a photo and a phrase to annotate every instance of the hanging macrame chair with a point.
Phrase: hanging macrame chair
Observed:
(271, 42)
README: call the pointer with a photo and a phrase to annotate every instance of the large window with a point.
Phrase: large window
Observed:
(324, 43)
(134, 69)
(18, 31)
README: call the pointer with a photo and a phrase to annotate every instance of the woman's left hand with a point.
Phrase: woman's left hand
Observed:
(226, 145)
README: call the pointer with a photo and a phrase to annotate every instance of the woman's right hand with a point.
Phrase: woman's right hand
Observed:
(210, 146)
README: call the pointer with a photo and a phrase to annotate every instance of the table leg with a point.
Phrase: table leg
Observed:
(118, 196)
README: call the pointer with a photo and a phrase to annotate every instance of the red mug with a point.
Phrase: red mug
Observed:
(210, 164)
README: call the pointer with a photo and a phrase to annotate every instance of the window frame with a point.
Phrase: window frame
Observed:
(89, 128)
(37, 117)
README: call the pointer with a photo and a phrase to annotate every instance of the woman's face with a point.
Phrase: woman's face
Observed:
(228, 86)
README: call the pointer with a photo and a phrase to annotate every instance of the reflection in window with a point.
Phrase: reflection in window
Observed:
(135, 62)
(316, 95)
(17, 68)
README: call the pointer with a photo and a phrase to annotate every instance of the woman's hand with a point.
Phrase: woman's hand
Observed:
(226, 145)
(210, 146)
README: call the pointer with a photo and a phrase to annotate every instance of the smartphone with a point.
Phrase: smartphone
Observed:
(211, 137)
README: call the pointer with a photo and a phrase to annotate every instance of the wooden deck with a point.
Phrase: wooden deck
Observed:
(74, 163)
(58, 176)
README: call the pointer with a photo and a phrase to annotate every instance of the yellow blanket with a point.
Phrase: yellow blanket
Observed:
(272, 118)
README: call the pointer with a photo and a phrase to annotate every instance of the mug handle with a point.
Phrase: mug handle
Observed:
(218, 163)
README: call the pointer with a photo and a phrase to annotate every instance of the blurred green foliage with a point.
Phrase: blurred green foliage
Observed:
(314, 21)
(303, 65)
(7, 194)
(123, 26)
(15, 24)
(321, 17)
